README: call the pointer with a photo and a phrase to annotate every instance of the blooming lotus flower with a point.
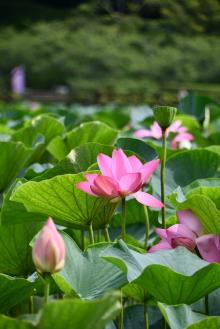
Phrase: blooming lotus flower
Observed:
(121, 176)
(183, 137)
(183, 234)
(48, 252)
(209, 247)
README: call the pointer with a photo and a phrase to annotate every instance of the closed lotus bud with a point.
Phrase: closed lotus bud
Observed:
(48, 252)
(164, 115)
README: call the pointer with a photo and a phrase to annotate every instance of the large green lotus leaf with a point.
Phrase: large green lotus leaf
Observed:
(71, 314)
(12, 159)
(212, 192)
(13, 291)
(171, 276)
(185, 167)
(15, 212)
(206, 182)
(203, 206)
(87, 274)
(93, 131)
(116, 118)
(194, 104)
(38, 133)
(138, 147)
(57, 148)
(180, 316)
(15, 256)
(58, 197)
(10, 323)
(188, 121)
(78, 160)
(76, 314)
(212, 322)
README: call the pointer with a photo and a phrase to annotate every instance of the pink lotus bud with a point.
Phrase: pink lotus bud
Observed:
(48, 252)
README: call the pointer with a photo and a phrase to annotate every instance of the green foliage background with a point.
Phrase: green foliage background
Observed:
(124, 51)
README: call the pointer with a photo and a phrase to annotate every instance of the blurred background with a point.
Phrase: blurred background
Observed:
(109, 51)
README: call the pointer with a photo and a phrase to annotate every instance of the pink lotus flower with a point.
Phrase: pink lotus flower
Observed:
(121, 176)
(183, 234)
(176, 127)
(209, 247)
(48, 252)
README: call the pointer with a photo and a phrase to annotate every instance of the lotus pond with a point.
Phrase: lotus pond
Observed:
(110, 217)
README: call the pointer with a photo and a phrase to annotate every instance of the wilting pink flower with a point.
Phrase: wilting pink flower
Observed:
(176, 127)
(183, 234)
(48, 252)
(121, 176)
(209, 247)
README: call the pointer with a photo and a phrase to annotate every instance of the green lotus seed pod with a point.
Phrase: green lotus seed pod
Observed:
(164, 115)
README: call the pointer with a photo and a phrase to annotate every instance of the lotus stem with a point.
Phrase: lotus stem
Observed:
(162, 176)
(82, 240)
(207, 304)
(121, 315)
(31, 305)
(123, 219)
(91, 234)
(46, 289)
(147, 226)
(146, 322)
(106, 234)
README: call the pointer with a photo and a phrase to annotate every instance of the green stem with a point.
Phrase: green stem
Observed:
(207, 304)
(91, 234)
(46, 289)
(147, 226)
(123, 219)
(82, 240)
(31, 305)
(162, 176)
(146, 322)
(121, 315)
(106, 234)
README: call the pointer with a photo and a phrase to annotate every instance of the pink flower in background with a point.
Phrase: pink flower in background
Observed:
(121, 176)
(209, 247)
(183, 234)
(155, 131)
(48, 252)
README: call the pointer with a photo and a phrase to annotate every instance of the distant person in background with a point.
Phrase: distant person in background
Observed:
(18, 80)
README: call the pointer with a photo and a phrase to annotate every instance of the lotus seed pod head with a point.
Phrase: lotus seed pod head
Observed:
(164, 115)
(48, 252)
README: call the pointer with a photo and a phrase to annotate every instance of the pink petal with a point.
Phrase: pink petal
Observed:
(162, 245)
(147, 199)
(156, 130)
(161, 232)
(130, 183)
(143, 133)
(179, 230)
(120, 164)
(85, 187)
(91, 177)
(105, 186)
(182, 130)
(173, 144)
(148, 168)
(188, 218)
(135, 163)
(175, 126)
(105, 164)
(184, 137)
(209, 247)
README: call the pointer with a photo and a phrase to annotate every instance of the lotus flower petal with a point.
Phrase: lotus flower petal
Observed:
(209, 247)
(85, 187)
(148, 169)
(162, 245)
(130, 183)
(141, 133)
(105, 164)
(147, 199)
(135, 163)
(120, 164)
(105, 186)
(188, 218)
